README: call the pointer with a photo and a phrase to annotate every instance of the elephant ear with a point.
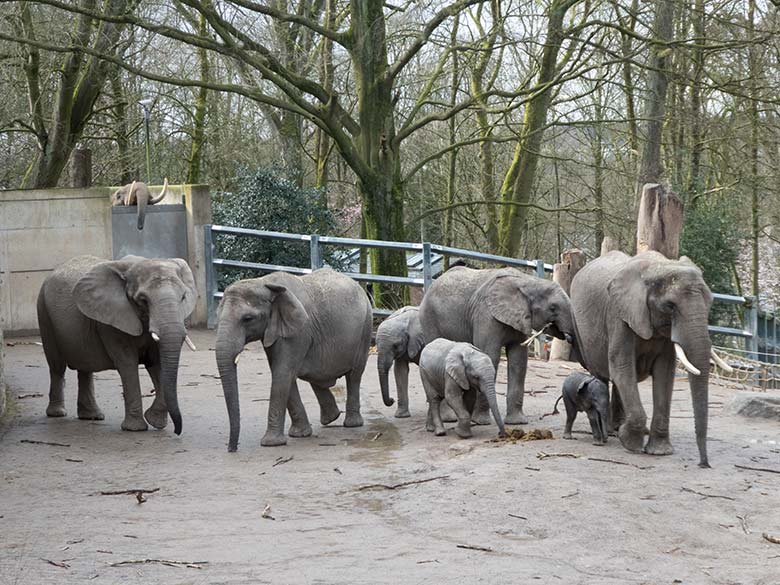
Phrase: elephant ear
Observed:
(508, 304)
(288, 315)
(584, 385)
(191, 294)
(416, 339)
(101, 295)
(628, 297)
(455, 367)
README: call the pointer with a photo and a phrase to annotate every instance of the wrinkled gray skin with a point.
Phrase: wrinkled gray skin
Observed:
(96, 315)
(630, 311)
(585, 393)
(495, 309)
(137, 193)
(453, 371)
(315, 327)
(399, 340)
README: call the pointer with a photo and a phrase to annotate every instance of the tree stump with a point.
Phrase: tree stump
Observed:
(81, 168)
(659, 222)
(607, 245)
(563, 273)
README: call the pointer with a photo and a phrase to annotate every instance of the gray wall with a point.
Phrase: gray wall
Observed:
(2, 374)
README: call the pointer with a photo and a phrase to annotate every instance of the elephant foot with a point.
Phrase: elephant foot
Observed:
(516, 418)
(299, 431)
(402, 413)
(599, 442)
(155, 417)
(273, 439)
(429, 427)
(328, 417)
(446, 413)
(481, 418)
(632, 439)
(134, 424)
(56, 410)
(659, 445)
(440, 433)
(353, 419)
(567, 435)
(90, 414)
(464, 432)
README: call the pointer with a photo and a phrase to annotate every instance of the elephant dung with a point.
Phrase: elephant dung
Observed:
(515, 435)
(755, 405)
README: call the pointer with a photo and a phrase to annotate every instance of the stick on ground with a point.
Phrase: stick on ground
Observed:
(129, 492)
(398, 485)
(764, 469)
(31, 442)
(689, 490)
(188, 564)
(770, 538)
(480, 548)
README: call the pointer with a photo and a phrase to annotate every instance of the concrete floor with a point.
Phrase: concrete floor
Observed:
(493, 512)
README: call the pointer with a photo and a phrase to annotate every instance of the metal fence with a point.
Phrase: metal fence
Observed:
(750, 331)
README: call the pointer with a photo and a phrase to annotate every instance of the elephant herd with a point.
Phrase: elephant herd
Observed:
(627, 318)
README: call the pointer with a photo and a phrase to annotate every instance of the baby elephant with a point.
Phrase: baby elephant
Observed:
(585, 393)
(455, 371)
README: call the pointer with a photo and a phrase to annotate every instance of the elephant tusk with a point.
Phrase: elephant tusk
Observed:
(720, 363)
(129, 198)
(684, 360)
(530, 340)
(155, 336)
(238, 357)
(189, 343)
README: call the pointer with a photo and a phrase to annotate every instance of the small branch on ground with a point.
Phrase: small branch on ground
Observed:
(281, 460)
(399, 485)
(188, 564)
(516, 516)
(60, 564)
(31, 442)
(31, 395)
(543, 455)
(128, 492)
(571, 495)
(744, 523)
(689, 490)
(764, 469)
(471, 547)
(770, 538)
(267, 513)
(616, 462)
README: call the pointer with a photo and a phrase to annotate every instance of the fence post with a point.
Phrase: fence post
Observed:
(539, 268)
(751, 325)
(211, 277)
(774, 338)
(427, 268)
(315, 252)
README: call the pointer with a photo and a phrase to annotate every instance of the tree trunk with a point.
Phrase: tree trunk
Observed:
(125, 165)
(327, 70)
(453, 155)
(563, 273)
(755, 208)
(695, 185)
(81, 168)
(628, 82)
(201, 104)
(660, 222)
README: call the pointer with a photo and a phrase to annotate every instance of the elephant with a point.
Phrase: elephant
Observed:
(399, 341)
(97, 315)
(634, 316)
(495, 309)
(584, 393)
(315, 327)
(454, 370)
(137, 193)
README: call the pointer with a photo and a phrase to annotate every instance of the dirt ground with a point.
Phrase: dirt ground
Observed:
(489, 512)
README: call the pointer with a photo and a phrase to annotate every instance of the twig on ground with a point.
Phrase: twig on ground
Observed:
(770, 538)
(571, 494)
(376, 436)
(267, 512)
(128, 492)
(516, 516)
(616, 462)
(764, 469)
(744, 523)
(31, 395)
(31, 442)
(60, 564)
(430, 561)
(479, 548)
(543, 455)
(188, 564)
(689, 490)
(532, 468)
(337, 470)
(399, 485)
(281, 460)
(140, 497)
(74, 460)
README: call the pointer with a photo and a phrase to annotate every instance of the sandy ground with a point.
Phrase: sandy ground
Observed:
(575, 519)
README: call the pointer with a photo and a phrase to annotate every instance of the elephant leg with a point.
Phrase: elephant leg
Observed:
(300, 426)
(617, 414)
(86, 405)
(434, 423)
(481, 412)
(454, 395)
(353, 417)
(517, 364)
(131, 389)
(663, 383)
(157, 414)
(622, 370)
(282, 378)
(447, 412)
(571, 414)
(56, 405)
(401, 372)
(329, 410)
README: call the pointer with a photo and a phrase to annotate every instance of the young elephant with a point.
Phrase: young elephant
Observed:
(450, 370)
(399, 341)
(585, 393)
(137, 193)
(315, 327)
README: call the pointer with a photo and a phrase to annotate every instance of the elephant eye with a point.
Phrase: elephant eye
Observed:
(183, 297)
(669, 307)
(247, 318)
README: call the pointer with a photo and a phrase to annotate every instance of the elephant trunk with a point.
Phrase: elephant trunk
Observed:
(171, 333)
(228, 348)
(384, 361)
(141, 210)
(488, 388)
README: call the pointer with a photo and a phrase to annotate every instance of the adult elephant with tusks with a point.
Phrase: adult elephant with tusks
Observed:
(635, 317)
(315, 327)
(494, 309)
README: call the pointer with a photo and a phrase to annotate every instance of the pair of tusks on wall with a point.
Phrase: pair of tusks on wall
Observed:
(187, 340)
(695, 371)
(153, 200)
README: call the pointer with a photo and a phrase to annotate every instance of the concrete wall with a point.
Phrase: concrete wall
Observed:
(3, 396)
(40, 229)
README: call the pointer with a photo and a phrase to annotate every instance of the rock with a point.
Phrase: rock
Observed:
(755, 405)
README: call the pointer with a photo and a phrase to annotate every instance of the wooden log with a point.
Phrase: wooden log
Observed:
(607, 245)
(81, 168)
(563, 273)
(659, 222)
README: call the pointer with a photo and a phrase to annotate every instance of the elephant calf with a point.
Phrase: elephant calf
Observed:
(137, 193)
(585, 393)
(399, 341)
(454, 370)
